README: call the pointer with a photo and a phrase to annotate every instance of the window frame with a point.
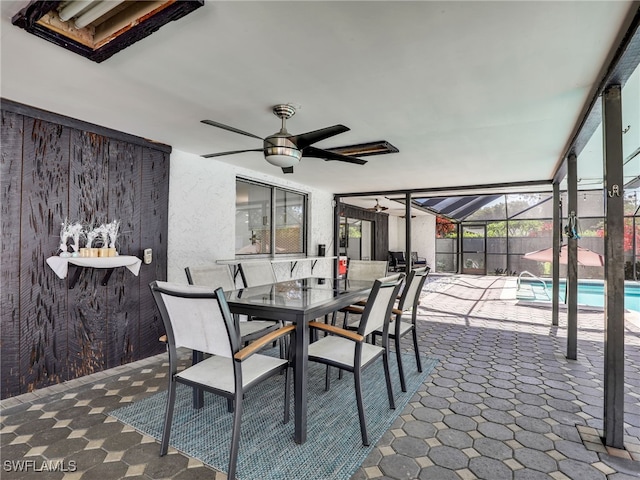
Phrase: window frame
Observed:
(273, 190)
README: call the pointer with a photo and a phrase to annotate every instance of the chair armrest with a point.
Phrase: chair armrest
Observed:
(353, 309)
(349, 334)
(396, 311)
(361, 303)
(253, 347)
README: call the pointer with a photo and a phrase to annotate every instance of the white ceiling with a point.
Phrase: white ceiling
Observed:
(470, 92)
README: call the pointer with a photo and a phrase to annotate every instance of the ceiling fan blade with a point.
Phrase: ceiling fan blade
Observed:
(327, 155)
(305, 139)
(210, 155)
(287, 169)
(231, 129)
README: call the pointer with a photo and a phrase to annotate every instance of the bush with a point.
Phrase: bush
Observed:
(628, 270)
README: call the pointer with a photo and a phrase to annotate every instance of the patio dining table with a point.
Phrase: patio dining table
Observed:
(298, 301)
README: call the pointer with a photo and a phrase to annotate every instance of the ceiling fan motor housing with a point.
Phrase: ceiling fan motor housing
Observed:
(280, 151)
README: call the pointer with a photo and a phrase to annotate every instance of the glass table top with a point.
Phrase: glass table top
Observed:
(300, 293)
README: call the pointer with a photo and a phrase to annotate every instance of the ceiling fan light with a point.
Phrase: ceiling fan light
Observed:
(282, 156)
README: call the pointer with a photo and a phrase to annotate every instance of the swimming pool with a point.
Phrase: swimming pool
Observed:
(590, 292)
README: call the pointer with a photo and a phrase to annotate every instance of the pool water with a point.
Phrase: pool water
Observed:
(589, 293)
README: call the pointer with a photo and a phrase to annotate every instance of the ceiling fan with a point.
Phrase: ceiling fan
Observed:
(377, 207)
(285, 150)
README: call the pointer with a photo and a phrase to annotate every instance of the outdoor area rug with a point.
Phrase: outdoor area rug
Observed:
(333, 449)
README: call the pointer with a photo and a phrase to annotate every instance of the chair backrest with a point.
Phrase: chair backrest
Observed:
(398, 257)
(257, 273)
(196, 318)
(366, 269)
(412, 288)
(213, 276)
(377, 311)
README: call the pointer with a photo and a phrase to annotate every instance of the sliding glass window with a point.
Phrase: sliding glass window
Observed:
(269, 219)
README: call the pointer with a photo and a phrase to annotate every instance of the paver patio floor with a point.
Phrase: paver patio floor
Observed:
(503, 403)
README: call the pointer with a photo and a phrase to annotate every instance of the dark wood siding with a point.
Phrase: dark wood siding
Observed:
(43, 297)
(123, 292)
(52, 169)
(11, 193)
(88, 202)
(154, 231)
(380, 227)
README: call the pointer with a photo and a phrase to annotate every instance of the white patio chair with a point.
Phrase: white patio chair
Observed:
(366, 269)
(215, 276)
(199, 318)
(407, 305)
(362, 270)
(257, 273)
(348, 351)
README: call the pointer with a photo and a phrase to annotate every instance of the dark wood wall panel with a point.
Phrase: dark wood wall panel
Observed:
(54, 169)
(380, 224)
(153, 234)
(43, 299)
(88, 306)
(123, 291)
(10, 196)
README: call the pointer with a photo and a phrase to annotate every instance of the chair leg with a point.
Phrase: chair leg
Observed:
(287, 394)
(415, 346)
(363, 421)
(235, 437)
(287, 379)
(344, 325)
(346, 318)
(168, 417)
(198, 393)
(327, 379)
(403, 384)
(387, 374)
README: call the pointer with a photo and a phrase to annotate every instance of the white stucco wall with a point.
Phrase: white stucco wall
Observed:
(395, 244)
(202, 205)
(423, 236)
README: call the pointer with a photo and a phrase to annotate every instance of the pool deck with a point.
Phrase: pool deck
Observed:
(503, 403)
(510, 292)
